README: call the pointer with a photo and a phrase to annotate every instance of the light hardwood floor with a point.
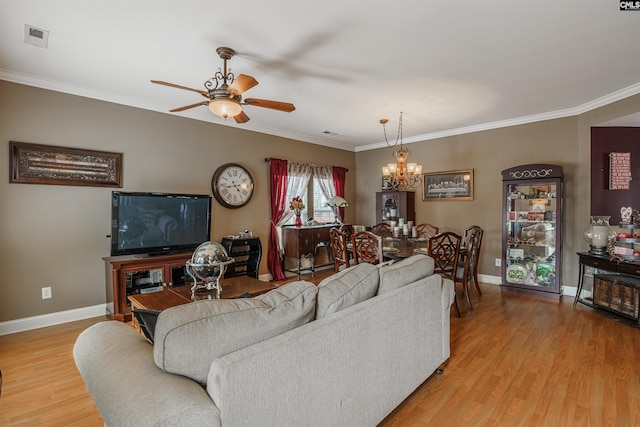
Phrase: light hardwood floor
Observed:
(516, 360)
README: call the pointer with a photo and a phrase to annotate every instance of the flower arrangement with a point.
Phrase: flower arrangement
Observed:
(296, 204)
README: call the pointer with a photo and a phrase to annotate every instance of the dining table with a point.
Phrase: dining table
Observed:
(398, 248)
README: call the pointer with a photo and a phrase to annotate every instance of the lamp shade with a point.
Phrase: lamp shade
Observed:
(337, 201)
(225, 107)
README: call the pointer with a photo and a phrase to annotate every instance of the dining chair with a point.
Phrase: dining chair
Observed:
(464, 273)
(475, 268)
(427, 230)
(366, 247)
(347, 229)
(444, 248)
(339, 248)
(382, 229)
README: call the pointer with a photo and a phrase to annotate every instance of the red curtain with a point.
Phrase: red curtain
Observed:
(339, 175)
(278, 191)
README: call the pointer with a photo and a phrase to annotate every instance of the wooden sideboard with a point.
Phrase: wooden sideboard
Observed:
(302, 242)
(613, 286)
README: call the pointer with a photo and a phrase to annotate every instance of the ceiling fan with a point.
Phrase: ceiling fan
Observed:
(224, 93)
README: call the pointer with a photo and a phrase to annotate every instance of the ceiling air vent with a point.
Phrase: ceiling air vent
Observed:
(36, 36)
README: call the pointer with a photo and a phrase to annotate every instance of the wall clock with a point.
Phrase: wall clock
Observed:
(232, 185)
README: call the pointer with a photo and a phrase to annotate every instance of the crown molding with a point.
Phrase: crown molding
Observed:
(569, 112)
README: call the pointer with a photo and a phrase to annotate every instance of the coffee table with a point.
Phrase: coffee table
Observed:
(232, 287)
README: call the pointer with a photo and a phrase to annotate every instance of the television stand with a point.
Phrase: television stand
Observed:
(157, 254)
(138, 274)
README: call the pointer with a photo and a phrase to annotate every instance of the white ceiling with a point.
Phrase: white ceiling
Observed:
(450, 66)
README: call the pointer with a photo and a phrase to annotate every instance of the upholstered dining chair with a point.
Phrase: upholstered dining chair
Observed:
(382, 229)
(464, 273)
(366, 247)
(339, 248)
(427, 230)
(479, 243)
(444, 248)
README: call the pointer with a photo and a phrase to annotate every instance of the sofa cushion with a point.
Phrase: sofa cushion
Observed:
(346, 288)
(189, 337)
(404, 272)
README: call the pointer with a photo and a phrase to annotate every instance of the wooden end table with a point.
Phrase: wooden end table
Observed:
(232, 287)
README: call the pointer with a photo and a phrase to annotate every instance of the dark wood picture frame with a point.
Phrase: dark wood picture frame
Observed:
(54, 165)
(386, 184)
(448, 185)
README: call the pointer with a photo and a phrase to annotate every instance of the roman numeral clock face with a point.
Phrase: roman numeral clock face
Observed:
(232, 185)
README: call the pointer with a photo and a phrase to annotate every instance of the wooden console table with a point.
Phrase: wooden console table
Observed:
(302, 241)
(616, 287)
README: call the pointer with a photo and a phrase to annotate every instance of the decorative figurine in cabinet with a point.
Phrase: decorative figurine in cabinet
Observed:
(391, 205)
(532, 229)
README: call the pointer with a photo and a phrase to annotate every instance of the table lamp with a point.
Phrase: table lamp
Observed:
(335, 203)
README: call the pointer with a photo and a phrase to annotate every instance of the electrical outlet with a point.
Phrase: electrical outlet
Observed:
(498, 262)
(46, 293)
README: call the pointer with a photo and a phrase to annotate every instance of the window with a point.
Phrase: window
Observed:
(321, 212)
(315, 203)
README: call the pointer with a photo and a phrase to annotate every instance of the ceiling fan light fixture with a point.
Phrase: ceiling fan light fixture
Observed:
(225, 107)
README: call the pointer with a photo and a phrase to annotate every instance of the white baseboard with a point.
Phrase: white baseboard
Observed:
(492, 280)
(51, 319)
(569, 291)
(44, 320)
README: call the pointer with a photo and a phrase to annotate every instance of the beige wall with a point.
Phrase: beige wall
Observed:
(55, 235)
(565, 142)
(487, 153)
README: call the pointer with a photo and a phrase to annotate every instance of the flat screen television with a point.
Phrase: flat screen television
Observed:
(158, 223)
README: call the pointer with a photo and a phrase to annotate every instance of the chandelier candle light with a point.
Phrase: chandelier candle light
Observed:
(401, 175)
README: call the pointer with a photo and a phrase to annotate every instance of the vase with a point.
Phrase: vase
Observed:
(298, 221)
(599, 234)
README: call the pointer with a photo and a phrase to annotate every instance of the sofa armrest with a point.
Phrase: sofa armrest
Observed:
(448, 293)
(117, 366)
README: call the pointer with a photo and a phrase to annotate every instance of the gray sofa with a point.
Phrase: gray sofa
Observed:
(344, 353)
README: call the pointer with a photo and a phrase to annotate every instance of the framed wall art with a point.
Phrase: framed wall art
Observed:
(386, 184)
(449, 185)
(53, 165)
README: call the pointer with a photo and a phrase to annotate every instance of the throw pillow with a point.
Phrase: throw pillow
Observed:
(404, 272)
(189, 337)
(346, 288)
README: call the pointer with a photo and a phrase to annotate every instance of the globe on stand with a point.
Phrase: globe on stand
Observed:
(208, 263)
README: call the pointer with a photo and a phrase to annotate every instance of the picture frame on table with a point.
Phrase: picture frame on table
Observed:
(448, 185)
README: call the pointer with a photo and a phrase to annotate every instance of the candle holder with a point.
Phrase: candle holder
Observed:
(599, 234)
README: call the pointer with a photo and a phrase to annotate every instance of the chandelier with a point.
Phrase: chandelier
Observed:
(401, 175)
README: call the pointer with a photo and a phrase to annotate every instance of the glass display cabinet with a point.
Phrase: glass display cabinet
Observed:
(532, 229)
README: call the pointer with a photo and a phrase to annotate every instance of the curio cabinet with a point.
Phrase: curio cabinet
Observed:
(532, 229)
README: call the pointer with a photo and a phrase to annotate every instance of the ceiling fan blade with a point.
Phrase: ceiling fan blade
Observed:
(201, 92)
(241, 84)
(241, 118)
(186, 107)
(274, 105)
